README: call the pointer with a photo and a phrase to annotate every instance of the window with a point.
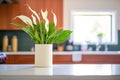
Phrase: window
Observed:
(94, 27)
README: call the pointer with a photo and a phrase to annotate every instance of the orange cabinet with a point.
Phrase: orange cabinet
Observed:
(10, 59)
(20, 59)
(7, 14)
(9, 11)
(24, 59)
(12, 11)
(66, 59)
(88, 59)
(3, 18)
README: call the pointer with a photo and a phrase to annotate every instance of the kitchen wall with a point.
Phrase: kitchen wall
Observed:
(90, 5)
(26, 44)
(24, 41)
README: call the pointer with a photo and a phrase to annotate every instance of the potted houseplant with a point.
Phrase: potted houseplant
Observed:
(100, 35)
(43, 33)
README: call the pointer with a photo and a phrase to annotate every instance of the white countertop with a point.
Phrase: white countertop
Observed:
(61, 71)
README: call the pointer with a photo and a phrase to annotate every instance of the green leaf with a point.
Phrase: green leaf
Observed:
(18, 24)
(43, 32)
(37, 36)
(31, 33)
(51, 28)
(62, 36)
(53, 35)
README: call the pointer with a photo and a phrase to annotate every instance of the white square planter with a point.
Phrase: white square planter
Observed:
(43, 55)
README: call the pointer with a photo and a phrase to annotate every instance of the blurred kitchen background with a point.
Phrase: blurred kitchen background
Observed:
(88, 19)
(63, 9)
(26, 44)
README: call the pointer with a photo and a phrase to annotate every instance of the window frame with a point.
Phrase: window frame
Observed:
(114, 23)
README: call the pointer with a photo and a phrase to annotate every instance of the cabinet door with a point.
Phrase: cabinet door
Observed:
(23, 59)
(3, 13)
(13, 10)
(10, 59)
(7, 14)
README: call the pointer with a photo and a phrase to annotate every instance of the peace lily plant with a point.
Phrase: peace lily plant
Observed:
(41, 30)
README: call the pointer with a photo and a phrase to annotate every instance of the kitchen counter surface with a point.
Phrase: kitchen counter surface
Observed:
(69, 53)
(61, 72)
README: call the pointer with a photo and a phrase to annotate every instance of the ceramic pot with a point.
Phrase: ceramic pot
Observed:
(43, 55)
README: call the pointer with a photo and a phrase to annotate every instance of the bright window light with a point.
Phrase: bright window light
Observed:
(90, 26)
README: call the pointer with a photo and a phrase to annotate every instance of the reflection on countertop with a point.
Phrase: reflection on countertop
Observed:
(68, 53)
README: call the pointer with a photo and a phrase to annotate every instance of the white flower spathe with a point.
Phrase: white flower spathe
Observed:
(54, 18)
(34, 19)
(37, 16)
(25, 19)
(44, 15)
